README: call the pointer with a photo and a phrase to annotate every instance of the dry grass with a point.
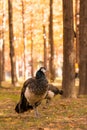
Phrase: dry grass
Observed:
(61, 114)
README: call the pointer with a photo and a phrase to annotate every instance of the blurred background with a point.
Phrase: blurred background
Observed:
(29, 27)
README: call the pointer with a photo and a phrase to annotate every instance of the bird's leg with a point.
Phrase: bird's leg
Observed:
(48, 102)
(36, 111)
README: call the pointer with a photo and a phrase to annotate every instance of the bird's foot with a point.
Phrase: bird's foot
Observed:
(37, 115)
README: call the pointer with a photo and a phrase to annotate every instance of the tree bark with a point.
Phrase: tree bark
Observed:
(3, 61)
(24, 39)
(32, 44)
(83, 48)
(77, 7)
(45, 52)
(12, 53)
(68, 82)
(0, 67)
(51, 60)
(2, 45)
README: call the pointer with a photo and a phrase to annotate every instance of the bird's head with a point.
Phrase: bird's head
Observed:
(41, 73)
(43, 69)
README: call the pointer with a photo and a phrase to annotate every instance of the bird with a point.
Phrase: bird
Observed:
(33, 92)
(52, 92)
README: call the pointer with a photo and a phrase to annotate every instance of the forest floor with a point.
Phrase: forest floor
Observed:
(61, 114)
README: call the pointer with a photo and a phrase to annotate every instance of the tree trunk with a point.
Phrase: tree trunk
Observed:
(32, 67)
(12, 53)
(77, 4)
(24, 39)
(0, 67)
(3, 61)
(83, 48)
(51, 60)
(68, 82)
(45, 53)
(2, 44)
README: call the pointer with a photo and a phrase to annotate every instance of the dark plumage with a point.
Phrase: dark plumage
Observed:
(33, 92)
(52, 92)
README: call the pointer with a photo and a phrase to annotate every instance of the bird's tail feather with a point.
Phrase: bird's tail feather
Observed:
(61, 92)
(23, 105)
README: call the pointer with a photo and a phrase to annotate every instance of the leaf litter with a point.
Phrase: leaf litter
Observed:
(61, 114)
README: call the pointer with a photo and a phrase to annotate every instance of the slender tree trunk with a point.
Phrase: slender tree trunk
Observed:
(3, 62)
(83, 48)
(45, 52)
(12, 53)
(32, 73)
(77, 4)
(2, 44)
(3, 47)
(0, 51)
(68, 82)
(32, 40)
(24, 39)
(51, 60)
(0, 66)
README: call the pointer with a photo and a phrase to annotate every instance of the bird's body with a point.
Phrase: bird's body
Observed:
(36, 90)
(33, 92)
